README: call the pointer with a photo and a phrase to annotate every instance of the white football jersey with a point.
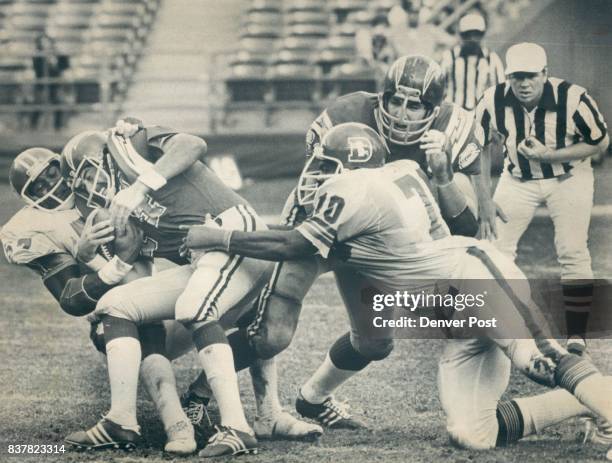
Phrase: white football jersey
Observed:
(32, 233)
(386, 224)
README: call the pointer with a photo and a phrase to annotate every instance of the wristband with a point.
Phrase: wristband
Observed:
(114, 271)
(152, 179)
(96, 263)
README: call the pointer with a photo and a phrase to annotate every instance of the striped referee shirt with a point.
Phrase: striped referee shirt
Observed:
(468, 76)
(565, 115)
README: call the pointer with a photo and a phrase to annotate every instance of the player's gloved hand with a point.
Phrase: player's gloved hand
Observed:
(125, 202)
(128, 126)
(434, 143)
(127, 245)
(206, 237)
(534, 150)
(92, 236)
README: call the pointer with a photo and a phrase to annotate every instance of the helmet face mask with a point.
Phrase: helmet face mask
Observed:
(93, 183)
(346, 146)
(88, 166)
(35, 176)
(318, 169)
(413, 91)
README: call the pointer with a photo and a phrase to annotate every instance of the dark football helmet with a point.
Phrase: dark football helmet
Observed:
(347, 146)
(89, 169)
(412, 79)
(36, 176)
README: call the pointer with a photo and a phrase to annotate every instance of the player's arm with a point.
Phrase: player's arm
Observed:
(179, 152)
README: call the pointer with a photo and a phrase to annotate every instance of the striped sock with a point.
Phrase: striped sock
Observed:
(577, 299)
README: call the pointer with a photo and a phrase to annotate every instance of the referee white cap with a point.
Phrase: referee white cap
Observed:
(525, 57)
(472, 22)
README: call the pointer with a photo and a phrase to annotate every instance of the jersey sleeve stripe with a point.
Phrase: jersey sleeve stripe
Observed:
(328, 236)
(307, 231)
(596, 115)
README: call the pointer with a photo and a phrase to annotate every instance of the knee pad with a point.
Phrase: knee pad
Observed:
(115, 327)
(372, 349)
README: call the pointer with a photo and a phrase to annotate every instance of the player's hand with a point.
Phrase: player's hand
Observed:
(206, 237)
(434, 144)
(124, 203)
(127, 245)
(534, 150)
(488, 212)
(92, 236)
(127, 126)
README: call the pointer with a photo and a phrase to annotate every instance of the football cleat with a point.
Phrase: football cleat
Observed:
(229, 442)
(105, 434)
(284, 426)
(194, 407)
(330, 413)
(596, 431)
(181, 439)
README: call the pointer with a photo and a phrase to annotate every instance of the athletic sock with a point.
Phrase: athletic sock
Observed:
(548, 409)
(577, 299)
(123, 353)
(325, 381)
(217, 361)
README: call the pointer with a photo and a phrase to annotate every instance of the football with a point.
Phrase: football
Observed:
(107, 250)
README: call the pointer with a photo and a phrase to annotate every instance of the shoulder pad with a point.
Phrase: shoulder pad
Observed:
(156, 131)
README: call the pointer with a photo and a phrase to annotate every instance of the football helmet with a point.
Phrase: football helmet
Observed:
(89, 169)
(36, 176)
(349, 146)
(413, 78)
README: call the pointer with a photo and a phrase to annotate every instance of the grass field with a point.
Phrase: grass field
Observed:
(53, 381)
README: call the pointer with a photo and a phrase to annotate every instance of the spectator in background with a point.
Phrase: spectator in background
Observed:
(470, 67)
(48, 64)
(374, 47)
(411, 35)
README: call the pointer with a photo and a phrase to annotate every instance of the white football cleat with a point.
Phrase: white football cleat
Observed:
(181, 440)
(284, 426)
(596, 431)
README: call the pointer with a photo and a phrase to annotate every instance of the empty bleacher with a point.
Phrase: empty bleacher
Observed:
(102, 39)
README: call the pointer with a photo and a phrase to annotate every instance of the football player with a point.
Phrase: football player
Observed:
(383, 222)
(409, 112)
(164, 187)
(48, 236)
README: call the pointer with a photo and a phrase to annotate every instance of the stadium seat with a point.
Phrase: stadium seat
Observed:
(342, 8)
(328, 58)
(257, 43)
(305, 5)
(266, 5)
(265, 18)
(294, 82)
(361, 18)
(308, 30)
(351, 77)
(259, 30)
(307, 17)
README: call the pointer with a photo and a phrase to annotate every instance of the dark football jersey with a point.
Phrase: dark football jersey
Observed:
(184, 200)
(455, 122)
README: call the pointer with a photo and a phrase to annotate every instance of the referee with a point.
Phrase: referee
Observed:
(470, 67)
(551, 128)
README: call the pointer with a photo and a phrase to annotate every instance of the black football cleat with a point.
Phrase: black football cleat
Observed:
(331, 413)
(229, 442)
(105, 434)
(195, 407)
